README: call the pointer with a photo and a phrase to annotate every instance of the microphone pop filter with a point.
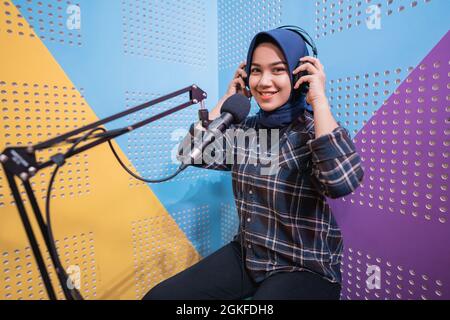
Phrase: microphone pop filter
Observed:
(238, 106)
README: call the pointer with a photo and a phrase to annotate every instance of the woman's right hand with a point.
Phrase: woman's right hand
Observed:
(237, 85)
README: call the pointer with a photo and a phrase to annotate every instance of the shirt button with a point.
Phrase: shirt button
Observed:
(248, 219)
(251, 192)
(249, 246)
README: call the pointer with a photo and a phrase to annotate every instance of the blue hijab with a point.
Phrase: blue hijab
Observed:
(293, 48)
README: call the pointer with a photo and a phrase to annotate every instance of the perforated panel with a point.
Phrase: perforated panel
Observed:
(239, 21)
(405, 148)
(404, 197)
(14, 23)
(33, 112)
(196, 224)
(333, 16)
(165, 30)
(158, 252)
(152, 148)
(57, 21)
(397, 282)
(401, 204)
(229, 222)
(21, 278)
(355, 99)
(39, 101)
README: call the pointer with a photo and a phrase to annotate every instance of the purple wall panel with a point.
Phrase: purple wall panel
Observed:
(398, 219)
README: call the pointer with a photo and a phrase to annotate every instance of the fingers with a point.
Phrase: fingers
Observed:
(306, 66)
(241, 73)
(241, 70)
(237, 84)
(316, 62)
(302, 80)
(241, 82)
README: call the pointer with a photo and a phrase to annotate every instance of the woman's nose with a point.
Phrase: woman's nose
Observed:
(265, 80)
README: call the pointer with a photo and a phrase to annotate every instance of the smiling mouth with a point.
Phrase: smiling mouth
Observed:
(267, 95)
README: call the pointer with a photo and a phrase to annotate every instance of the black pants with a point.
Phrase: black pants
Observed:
(219, 277)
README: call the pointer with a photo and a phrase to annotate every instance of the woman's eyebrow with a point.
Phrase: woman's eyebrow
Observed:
(272, 64)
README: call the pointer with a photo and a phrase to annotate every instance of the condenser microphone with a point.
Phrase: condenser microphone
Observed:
(234, 110)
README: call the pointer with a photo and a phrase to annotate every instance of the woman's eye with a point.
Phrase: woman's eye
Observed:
(274, 70)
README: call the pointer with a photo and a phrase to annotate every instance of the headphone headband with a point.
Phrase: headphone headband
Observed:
(305, 36)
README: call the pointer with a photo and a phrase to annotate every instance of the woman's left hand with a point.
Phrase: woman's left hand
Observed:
(316, 79)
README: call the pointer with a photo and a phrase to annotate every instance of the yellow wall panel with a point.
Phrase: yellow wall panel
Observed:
(120, 236)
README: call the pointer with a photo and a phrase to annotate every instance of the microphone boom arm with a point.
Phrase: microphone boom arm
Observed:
(21, 162)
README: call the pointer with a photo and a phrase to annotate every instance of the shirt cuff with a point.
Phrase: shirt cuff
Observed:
(331, 146)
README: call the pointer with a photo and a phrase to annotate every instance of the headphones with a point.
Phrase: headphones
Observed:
(304, 87)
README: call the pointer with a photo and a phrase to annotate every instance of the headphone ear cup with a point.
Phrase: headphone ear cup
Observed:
(304, 87)
(296, 76)
(247, 85)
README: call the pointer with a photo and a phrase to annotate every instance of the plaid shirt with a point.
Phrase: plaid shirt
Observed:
(285, 221)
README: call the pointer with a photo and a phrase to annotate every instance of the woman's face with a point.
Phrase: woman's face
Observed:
(269, 79)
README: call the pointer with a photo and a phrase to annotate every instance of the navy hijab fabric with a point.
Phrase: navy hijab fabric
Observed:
(293, 48)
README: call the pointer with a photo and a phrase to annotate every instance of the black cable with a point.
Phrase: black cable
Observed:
(180, 168)
(58, 265)
(59, 161)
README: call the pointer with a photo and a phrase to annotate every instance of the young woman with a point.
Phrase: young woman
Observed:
(289, 245)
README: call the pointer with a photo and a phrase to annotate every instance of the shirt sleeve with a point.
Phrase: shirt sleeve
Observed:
(336, 166)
